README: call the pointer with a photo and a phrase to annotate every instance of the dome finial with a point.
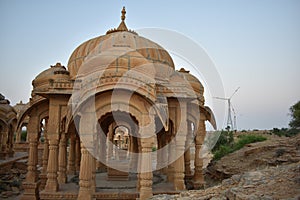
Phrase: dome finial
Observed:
(183, 70)
(122, 26)
(123, 13)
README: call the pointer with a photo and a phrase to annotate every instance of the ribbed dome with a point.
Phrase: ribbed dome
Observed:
(193, 81)
(117, 43)
(7, 112)
(54, 72)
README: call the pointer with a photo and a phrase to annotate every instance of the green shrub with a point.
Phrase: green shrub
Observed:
(225, 138)
(23, 135)
(295, 114)
(292, 132)
(285, 132)
(222, 151)
(247, 139)
(154, 149)
(231, 147)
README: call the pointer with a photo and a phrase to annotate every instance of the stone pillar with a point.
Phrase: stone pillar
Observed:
(62, 159)
(55, 126)
(52, 183)
(87, 133)
(187, 163)
(171, 159)
(101, 151)
(134, 154)
(109, 142)
(27, 137)
(31, 184)
(11, 142)
(45, 155)
(145, 159)
(3, 147)
(187, 156)
(138, 166)
(145, 169)
(96, 143)
(18, 135)
(71, 159)
(180, 138)
(1, 138)
(160, 156)
(86, 175)
(77, 154)
(164, 154)
(180, 147)
(93, 184)
(200, 135)
(179, 165)
(43, 175)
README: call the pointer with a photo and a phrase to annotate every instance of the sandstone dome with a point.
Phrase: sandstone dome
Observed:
(193, 81)
(7, 112)
(120, 48)
(56, 72)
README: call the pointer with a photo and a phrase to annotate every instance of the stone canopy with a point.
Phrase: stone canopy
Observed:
(121, 108)
(8, 122)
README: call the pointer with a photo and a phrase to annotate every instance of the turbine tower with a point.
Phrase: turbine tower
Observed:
(230, 124)
(234, 119)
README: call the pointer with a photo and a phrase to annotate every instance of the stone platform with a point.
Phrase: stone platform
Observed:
(110, 189)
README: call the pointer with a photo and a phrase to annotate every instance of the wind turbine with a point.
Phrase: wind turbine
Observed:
(230, 107)
(234, 119)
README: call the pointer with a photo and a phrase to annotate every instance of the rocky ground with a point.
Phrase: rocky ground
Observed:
(282, 182)
(275, 151)
(11, 178)
(264, 170)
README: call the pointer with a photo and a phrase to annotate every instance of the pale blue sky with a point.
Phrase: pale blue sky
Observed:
(254, 44)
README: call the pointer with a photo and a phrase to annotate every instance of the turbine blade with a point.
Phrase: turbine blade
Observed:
(220, 98)
(234, 92)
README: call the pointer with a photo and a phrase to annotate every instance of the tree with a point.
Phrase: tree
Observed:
(295, 114)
